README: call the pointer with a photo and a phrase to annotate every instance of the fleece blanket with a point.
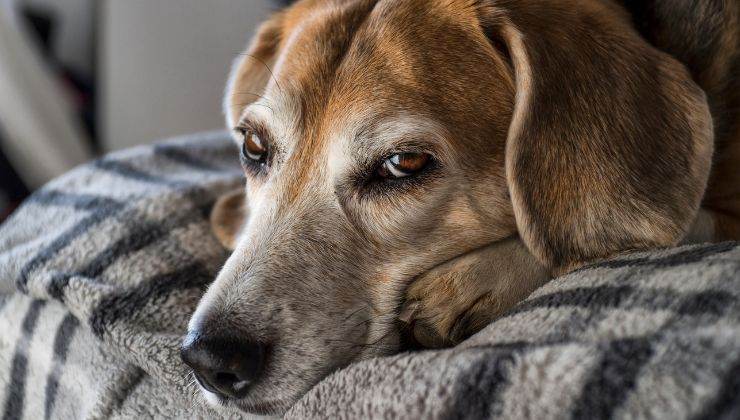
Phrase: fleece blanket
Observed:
(101, 269)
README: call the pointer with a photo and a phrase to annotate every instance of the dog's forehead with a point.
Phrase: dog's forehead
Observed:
(358, 62)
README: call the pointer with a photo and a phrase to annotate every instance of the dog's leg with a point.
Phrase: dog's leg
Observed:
(460, 297)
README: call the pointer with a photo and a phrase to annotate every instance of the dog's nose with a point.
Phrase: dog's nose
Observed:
(222, 365)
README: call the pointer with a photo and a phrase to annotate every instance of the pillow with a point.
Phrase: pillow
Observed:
(101, 269)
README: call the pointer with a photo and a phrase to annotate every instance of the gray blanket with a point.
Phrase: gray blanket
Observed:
(100, 270)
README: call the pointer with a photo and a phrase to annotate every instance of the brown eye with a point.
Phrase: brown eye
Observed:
(402, 165)
(253, 148)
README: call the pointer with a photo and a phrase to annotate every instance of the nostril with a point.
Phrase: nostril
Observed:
(229, 380)
(205, 383)
(226, 378)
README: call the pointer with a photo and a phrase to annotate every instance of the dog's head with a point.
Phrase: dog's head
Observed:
(382, 138)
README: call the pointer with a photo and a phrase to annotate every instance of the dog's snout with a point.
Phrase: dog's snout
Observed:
(223, 365)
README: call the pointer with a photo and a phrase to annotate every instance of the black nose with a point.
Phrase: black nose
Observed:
(223, 365)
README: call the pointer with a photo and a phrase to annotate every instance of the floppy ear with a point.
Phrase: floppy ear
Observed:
(610, 142)
(251, 70)
(228, 216)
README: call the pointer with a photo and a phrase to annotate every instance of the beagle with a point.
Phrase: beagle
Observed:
(432, 162)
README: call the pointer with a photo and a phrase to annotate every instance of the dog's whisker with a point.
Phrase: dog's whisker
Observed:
(353, 345)
(193, 399)
(340, 340)
(241, 104)
(269, 70)
(255, 104)
(376, 344)
(248, 93)
(382, 337)
(365, 322)
(355, 312)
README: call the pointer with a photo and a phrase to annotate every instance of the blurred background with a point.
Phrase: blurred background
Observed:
(79, 78)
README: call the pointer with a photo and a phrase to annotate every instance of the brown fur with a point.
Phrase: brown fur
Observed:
(563, 123)
(705, 36)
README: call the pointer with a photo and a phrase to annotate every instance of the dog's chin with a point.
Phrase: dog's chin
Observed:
(260, 408)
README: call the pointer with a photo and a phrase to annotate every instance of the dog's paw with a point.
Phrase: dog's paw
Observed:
(448, 304)
(460, 297)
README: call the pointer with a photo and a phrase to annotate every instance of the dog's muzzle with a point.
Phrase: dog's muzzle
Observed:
(224, 366)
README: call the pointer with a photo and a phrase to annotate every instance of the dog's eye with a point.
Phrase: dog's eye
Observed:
(253, 148)
(402, 165)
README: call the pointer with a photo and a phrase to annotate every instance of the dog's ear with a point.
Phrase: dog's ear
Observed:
(228, 216)
(610, 141)
(251, 70)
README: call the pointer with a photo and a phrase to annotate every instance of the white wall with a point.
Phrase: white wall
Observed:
(163, 64)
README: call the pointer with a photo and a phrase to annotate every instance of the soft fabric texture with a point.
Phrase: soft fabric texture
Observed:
(101, 269)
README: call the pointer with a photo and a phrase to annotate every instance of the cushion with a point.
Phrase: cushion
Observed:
(101, 269)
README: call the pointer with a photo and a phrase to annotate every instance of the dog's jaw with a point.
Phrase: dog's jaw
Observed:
(271, 408)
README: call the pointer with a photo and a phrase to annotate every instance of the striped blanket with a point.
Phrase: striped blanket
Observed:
(100, 270)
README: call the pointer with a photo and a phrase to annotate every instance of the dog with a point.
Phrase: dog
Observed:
(424, 165)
